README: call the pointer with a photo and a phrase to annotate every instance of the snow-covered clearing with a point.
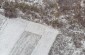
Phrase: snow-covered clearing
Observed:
(13, 29)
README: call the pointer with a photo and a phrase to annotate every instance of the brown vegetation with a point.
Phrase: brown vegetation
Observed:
(56, 23)
(10, 8)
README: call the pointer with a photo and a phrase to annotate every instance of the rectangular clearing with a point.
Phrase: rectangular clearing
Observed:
(21, 37)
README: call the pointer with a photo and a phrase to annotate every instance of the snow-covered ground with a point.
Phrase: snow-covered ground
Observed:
(12, 38)
(10, 34)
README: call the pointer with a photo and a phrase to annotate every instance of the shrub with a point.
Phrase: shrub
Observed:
(56, 23)
(22, 6)
(1, 1)
(25, 7)
(34, 8)
(10, 10)
(53, 5)
(57, 14)
(77, 43)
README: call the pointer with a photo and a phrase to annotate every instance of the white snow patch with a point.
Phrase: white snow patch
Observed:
(10, 35)
(13, 28)
(83, 43)
(82, 3)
